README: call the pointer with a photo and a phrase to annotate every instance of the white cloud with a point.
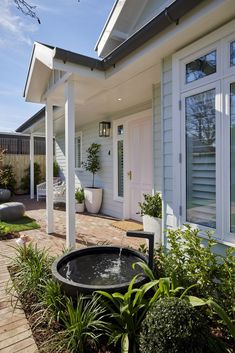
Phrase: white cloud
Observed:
(14, 29)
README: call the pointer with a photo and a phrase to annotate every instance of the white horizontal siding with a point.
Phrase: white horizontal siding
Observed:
(157, 140)
(167, 142)
(104, 178)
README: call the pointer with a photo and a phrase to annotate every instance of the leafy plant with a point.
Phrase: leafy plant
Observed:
(56, 169)
(172, 325)
(216, 308)
(31, 266)
(25, 181)
(151, 206)
(79, 195)
(92, 164)
(127, 312)
(192, 260)
(4, 230)
(83, 324)
(7, 179)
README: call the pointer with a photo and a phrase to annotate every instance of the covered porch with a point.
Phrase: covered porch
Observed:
(77, 94)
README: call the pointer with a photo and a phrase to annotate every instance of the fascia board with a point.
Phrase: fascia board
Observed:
(42, 54)
(109, 26)
(77, 69)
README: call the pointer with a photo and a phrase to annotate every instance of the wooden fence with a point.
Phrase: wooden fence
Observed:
(20, 162)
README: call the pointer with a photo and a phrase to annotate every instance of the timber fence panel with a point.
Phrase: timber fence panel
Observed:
(20, 162)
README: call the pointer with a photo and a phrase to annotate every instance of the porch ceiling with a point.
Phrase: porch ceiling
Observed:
(98, 99)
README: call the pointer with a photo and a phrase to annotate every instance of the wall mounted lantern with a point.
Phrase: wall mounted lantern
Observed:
(104, 128)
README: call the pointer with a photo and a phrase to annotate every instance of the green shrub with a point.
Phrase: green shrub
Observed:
(7, 180)
(79, 195)
(151, 206)
(192, 260)
(56, 169)
(4, 230)
(172, 325)
(25, 181)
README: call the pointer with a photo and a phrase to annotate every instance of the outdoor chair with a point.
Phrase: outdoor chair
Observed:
(41, 188)
(59, 193)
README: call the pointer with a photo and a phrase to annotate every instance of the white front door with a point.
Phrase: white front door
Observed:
(139, 162)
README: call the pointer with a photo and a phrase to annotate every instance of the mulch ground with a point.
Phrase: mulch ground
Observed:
(43, 331)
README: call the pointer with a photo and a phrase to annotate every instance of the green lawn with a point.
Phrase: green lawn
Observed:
(25, 223)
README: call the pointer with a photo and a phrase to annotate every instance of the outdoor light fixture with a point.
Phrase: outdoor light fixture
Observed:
(104, 128)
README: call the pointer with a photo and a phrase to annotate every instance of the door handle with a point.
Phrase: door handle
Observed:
(130, 174)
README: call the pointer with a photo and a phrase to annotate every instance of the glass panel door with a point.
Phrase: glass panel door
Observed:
(200, 130)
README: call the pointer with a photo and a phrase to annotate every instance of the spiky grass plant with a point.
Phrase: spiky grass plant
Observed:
(50, 303)
(31, 267)
(84, 323)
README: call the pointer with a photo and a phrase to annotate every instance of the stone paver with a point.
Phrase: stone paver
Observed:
(90, 229)
(15, 334)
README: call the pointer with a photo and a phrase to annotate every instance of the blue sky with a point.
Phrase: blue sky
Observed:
(68, 24)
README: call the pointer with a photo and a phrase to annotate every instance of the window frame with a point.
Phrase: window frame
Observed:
(117, 138)
(190, 93)
(194, 56)
(225, 75)
(227, 69)
(78, 135)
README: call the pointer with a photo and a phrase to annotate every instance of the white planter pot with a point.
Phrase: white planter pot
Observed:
(93, 199)
(79, 207)
(5, 195)
(153, 225)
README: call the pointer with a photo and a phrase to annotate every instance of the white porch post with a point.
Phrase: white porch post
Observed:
(49, 167)
(31, 157)
(70, 163)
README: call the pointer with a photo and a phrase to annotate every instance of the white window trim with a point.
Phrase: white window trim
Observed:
(78, 134)
(117, 138)
(196, 55)
(221, 38)
(228, 70)
(219, 201)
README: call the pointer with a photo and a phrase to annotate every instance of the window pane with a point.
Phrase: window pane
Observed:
(120, 168)
(200, 159)
(232, 157)
(201, 67)
(77, 152)
(120, 130)
(232, 53)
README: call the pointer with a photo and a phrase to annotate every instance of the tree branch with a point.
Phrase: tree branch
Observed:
(27, 9)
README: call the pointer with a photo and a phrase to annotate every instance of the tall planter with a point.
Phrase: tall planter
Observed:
(153, 225)
(93, 195)
(93, 199)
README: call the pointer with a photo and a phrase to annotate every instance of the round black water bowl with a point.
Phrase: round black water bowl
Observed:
(95, 268)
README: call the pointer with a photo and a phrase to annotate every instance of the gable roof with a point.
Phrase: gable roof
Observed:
(31, 121)
(162, 21)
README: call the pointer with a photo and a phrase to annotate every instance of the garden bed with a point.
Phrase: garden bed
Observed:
(63, 326)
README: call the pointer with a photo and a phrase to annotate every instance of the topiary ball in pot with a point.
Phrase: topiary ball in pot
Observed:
(172, 325)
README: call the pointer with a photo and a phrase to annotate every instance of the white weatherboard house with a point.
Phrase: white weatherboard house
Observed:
(166, 83)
